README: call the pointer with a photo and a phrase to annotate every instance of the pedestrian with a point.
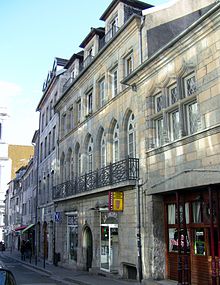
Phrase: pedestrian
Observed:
(22, 249)
(28, 249)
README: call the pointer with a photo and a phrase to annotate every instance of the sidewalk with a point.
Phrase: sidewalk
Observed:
(73, 277)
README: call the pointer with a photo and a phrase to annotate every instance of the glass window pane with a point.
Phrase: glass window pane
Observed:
(196, 209)
(199, 242)
(192, 117)
(171, 214)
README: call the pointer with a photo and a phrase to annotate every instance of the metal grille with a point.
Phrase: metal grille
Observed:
(124, 170)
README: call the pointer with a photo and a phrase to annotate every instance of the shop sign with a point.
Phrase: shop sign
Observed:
(116, 201)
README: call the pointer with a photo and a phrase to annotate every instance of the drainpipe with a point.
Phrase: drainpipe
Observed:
(140, 272)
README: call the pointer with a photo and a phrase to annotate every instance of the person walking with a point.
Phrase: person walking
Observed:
(22, 249)
(28, 249)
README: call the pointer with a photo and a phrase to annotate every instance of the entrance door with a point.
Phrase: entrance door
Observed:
(109, 247)
(88, 247)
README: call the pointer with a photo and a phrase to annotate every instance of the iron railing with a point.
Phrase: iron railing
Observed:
(108, 36)
(121, 171)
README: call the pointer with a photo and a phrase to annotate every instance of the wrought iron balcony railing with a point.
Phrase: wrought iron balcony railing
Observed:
(109, 35)
(121, 171)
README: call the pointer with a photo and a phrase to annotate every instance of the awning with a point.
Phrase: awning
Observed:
(27, 228)
(20, 228)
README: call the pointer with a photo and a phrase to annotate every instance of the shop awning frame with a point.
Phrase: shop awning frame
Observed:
(28, 227)
(20, 228)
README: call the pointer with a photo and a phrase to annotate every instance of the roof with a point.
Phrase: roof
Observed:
(170, 44)
(78, 55)
(133, 3)
(94, 31)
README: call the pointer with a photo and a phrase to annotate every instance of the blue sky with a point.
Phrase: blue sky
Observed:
(33, 33)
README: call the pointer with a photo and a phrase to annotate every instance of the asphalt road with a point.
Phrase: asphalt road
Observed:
(25, 275)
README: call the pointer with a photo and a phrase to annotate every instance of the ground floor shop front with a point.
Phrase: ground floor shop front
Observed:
(192, 235)
(89, 236)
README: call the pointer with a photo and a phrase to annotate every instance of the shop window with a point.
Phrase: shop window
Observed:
(196, 210)
(171, 214)
(199, 242)
(174, 242)
(72, 236)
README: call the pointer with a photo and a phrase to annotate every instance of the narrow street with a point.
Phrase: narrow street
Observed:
(26, 275)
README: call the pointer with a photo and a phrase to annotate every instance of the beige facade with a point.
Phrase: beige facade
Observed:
(180, 86)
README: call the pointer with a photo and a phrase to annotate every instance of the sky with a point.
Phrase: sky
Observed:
(32, 34)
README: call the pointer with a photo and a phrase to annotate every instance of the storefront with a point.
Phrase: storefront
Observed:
(192, 219)
(109, 242)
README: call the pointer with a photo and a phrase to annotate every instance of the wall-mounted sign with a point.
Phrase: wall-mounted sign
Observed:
(116, 201)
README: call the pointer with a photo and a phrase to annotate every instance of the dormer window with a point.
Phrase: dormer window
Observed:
(114, 26)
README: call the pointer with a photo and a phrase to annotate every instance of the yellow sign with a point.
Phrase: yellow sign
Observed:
(116, 201)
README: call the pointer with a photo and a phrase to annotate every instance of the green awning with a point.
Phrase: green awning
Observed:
(27, 228)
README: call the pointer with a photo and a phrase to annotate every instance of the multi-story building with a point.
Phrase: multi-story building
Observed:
(20, 200)
(137, 102)
(132, 149)
(14, 211)
(5, 165)
(180, 88)
(48, 128)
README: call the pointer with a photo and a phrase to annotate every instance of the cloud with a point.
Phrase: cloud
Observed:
(9, 89)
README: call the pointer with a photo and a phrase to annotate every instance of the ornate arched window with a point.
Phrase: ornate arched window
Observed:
(77, 161)
(90, 155)
(116, 143)
(131, 136)
(103, 151)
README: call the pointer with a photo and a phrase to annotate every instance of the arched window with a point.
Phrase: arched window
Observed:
(116, 143)
(62, 168)
(69, 160)
(103, 151)
(90, 155)
(78, 160)
(131, 137)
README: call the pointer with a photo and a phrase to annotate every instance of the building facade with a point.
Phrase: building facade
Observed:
(5, 166)
(46, 165)
(127, 157)
(180, 84)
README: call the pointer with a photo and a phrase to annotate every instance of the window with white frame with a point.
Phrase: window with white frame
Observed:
(174, 127)
(131, 137)
(114, 81)
(116, 143)
(90, 155)
(159, 131)
(89, 98)
(63, 124)
(103, 151)
(128, 62)
(114, 26)
(177, 114)
(79, 110)
(102, 92)
(192, 116)
(189, 85)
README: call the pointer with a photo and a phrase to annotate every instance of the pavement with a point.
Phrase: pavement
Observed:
(77, 277)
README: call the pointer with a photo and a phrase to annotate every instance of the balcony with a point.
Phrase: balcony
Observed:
(108, 36)
(126, 170)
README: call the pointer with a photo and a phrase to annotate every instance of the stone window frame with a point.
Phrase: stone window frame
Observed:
(128, 63)
(165, 109)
